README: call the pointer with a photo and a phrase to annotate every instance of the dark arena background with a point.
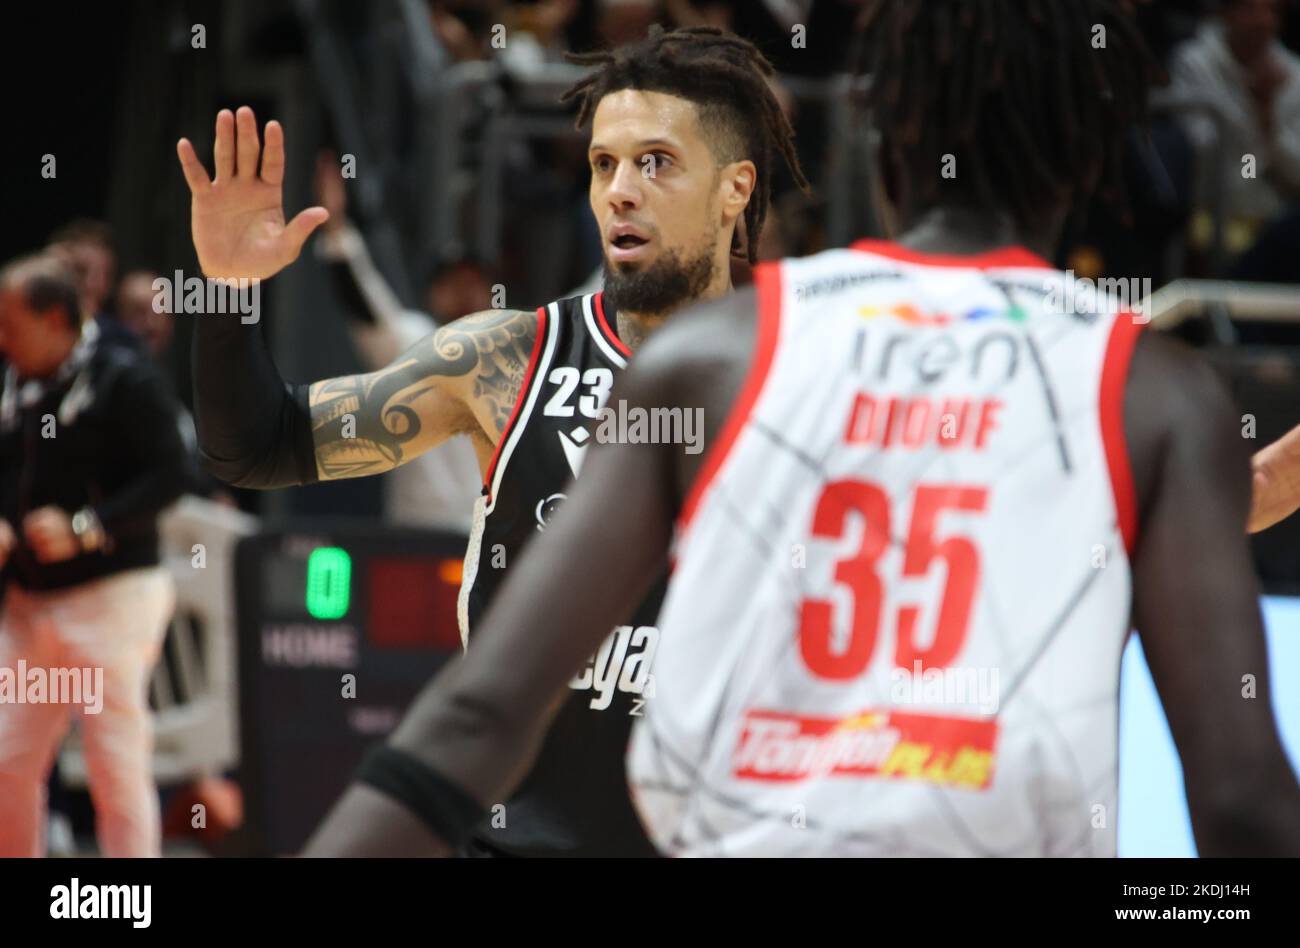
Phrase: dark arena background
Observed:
(306, 620)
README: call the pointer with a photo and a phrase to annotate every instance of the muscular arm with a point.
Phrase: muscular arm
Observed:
(481, 722)
(462, 379)
(1196, 604)
(254, 430)
(257, 431)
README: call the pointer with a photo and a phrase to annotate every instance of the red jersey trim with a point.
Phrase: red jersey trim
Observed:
(509, 429)
(992, 259)
(1114, 376)
(767, 282)
(610, 336)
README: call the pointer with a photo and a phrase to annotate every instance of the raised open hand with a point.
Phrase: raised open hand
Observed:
(237, 220)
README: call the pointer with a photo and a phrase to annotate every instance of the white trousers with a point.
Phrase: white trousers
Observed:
(115, 624)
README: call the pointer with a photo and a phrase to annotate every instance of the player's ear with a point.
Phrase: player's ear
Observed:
(739, 179)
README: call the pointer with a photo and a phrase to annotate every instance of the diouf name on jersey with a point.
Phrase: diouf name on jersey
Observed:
(917, 422)
(621, 664)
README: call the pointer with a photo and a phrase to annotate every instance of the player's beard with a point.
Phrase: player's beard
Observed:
(671, 281)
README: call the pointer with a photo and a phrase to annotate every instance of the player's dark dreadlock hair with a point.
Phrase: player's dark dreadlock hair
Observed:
(1032, 98)
(725, 76)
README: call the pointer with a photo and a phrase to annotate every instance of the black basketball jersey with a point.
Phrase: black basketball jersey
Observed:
(575, 800)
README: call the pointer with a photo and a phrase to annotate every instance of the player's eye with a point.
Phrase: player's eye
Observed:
(603, 163)
(662, 160)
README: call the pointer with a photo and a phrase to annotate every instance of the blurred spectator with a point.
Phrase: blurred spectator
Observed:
(464, 27)
(619, 22)
(1143, 233)
(135, 311)
(1170, 23)
(1237, 63)
(457, 287)
(154, 328)
(538, 33)
(439, 487)
(86, 247)
(89, 456)
(688, 13)
(770, 25)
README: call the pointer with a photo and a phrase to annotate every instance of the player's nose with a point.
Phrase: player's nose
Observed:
(625, 187)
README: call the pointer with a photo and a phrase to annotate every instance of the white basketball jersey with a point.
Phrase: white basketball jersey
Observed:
(901, 585)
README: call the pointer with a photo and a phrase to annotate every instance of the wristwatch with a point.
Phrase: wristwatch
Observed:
(87, 529)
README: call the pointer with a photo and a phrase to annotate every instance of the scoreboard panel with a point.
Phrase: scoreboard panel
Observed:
(340, 626)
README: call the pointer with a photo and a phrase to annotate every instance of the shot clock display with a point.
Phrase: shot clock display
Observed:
(339, 629)
(329, 582)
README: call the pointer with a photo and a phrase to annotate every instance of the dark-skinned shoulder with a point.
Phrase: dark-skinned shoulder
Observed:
(1177, 410)
(698, 359)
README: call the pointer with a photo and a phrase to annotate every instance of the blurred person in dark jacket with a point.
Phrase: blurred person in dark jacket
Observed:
(146, 313)
(89, 456)
(86, 248)
(152, 324)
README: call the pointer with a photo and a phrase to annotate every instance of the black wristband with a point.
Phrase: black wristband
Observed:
(441, 805)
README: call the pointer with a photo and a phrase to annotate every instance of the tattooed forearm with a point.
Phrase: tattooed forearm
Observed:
(366, 424)
(360, 423)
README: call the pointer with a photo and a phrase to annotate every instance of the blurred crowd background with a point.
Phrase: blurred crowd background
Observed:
(469, 174)
(467, 184)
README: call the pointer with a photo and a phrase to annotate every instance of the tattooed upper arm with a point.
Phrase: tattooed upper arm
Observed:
(461, 379)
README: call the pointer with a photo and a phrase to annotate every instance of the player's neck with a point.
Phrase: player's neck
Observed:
(964, 231)
(634, 328)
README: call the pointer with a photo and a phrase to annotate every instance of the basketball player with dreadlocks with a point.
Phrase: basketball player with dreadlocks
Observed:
(920, 470)
(684, 133)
